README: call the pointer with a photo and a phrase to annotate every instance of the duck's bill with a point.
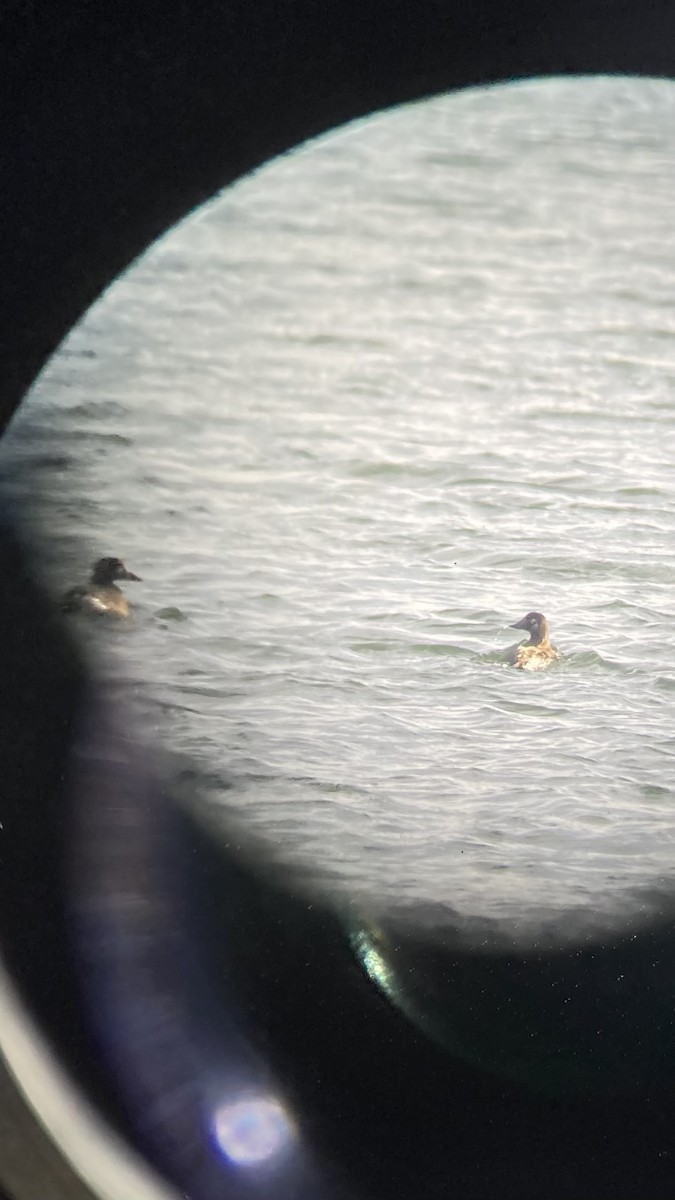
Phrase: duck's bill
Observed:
(519, 624)
(130, 575)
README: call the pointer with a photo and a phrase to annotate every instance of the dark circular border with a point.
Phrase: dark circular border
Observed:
(118, 121)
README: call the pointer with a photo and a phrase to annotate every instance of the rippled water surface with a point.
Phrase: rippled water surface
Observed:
(349, 423)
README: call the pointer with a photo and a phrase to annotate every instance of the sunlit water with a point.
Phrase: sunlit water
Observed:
(349, 423)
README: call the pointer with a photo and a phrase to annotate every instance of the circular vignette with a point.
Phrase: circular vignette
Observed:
(141, 117)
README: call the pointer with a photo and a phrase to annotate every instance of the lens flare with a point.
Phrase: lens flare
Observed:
(253, 1131)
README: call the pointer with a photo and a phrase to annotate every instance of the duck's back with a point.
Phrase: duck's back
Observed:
(97, 601)
(535, 658)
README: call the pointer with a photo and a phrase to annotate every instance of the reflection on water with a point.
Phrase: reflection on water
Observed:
(348, 424)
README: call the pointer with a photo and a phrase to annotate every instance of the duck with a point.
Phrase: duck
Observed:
(101, 596)
(538, 653)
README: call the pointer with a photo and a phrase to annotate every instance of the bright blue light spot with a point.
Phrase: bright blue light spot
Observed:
(252, 1131)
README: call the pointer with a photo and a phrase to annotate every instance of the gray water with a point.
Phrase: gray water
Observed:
(352, 420)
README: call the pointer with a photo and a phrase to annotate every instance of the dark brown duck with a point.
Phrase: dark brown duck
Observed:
(537, 653)
(101, 596)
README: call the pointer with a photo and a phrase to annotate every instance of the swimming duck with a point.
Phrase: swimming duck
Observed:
(101, 596)
(538, 653)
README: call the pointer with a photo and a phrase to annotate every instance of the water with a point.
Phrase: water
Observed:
(350, 422)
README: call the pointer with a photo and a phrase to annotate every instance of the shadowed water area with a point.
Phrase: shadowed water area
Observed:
(349, 423)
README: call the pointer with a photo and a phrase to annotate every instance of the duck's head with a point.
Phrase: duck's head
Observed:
(535, 624)
(108, 570)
